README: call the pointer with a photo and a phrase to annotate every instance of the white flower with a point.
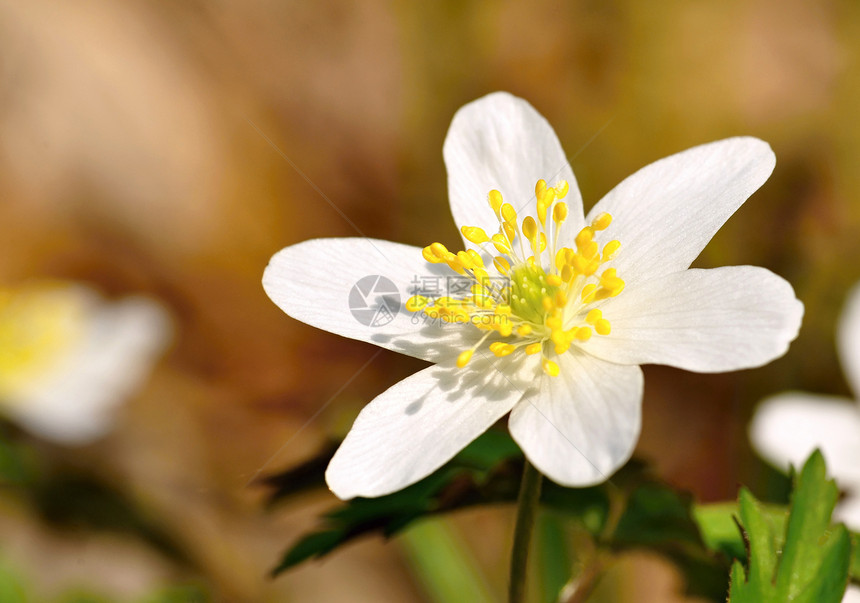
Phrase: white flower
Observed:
(787, 427)
(67, 357)
(557, 341)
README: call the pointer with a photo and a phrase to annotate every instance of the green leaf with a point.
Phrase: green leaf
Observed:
(648, 512)
(808, 561)
(442, 563)
(479, 474)
(854, 570)
(12, 589)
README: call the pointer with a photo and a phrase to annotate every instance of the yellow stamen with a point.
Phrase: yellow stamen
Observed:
(601, 222)
(464, 358)
(559, 212)
(610, 249)
(533, 348)
(550, 368)
(537, 304)
(602, 327)
(474, 234)
(495, 199)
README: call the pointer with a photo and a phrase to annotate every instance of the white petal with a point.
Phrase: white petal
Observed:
(315, 282)
(74, 403)
(416, 426)
(848, 509)
(848, 339)
(852, 594)
(788, 427)
(500, 142)
(581, 426)
(721, 319)
(666, 213)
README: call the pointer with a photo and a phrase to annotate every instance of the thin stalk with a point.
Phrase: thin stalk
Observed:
(527, 505)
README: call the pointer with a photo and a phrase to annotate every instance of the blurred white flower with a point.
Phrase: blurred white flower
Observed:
(547, 329)
(68, 357)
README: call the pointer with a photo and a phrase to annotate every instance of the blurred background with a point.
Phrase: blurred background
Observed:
(169, 149)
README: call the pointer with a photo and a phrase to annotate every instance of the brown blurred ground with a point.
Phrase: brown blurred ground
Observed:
(134, 155)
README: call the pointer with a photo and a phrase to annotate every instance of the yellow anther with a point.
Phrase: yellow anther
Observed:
(554, 280)
(439, 250)
(544, 202)
(474, 234)
(610, 287)
(534, 348)
(510, 230)
(524, 330)
(495, 199)
(583, 333)
(500, 242)
(584, 237)
(502, 265)
(601, 222)
(566, 273)
(530, 229)
(435, 253)
(553, 322)
(588, 292)
(477, 260)
(559, 212)
(506, 327)
(609, 278)
(582, 265)
(509, 214)
(501, 349)
(561, 257)
(550, 368)
(602, 327)
(416, 303)
(593, 316)
(503, 310)
(610, 249)
(542, 242)
(560, 299)
(464, 358)
(561, 187)
(454, 264)
(591, 250)
(465, 260)
(546, 302)
(540, 188)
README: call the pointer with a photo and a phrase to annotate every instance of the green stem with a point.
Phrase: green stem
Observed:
(527, 504)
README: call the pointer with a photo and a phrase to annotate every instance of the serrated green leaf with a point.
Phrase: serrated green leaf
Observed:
(761, 539)
(719, 528)
(810, 564)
